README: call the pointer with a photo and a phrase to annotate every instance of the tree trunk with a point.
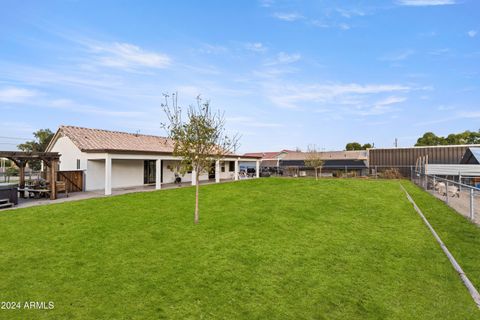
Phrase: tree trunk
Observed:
(197, 218)
(316, 175)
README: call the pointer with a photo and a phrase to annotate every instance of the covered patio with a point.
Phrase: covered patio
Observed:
(114, 171)
(24, 203)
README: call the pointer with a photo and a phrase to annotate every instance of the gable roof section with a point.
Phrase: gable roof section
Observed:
(97, 140)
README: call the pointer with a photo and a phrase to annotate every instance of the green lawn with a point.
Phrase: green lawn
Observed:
(264, 249)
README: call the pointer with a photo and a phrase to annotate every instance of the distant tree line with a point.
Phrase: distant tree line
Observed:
(39, 144)
(351, 146)
(466, 137)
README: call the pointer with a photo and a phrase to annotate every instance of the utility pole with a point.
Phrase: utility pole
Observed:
(396, 143)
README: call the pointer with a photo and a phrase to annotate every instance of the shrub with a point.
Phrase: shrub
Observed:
(392, 173)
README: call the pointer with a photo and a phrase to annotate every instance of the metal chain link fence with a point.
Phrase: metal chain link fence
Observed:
(460, 195)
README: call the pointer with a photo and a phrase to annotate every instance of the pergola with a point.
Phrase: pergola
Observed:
(50, 159)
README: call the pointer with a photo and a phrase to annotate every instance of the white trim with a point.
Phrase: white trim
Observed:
(217, 171)
(158, 174)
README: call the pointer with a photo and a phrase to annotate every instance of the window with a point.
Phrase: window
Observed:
(223, 167)
(231, 166)
(78, 164)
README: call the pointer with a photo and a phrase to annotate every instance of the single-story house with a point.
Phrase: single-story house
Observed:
(112, 159)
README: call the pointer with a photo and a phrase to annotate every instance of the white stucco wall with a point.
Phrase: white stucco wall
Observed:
(127, 173)
(69, 153)
(227, 174)
(169, 176)
(95, 175)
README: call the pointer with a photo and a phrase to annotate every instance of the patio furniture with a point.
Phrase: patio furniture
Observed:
(33, 193)
(5, 203)
(9, 192)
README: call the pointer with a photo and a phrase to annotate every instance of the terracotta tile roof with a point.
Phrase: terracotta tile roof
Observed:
(97, 140)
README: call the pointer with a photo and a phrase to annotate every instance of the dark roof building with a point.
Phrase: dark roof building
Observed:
(471, 156)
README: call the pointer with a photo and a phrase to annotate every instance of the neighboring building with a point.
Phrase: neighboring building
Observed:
(404, 159)
(112, 159)
(268, 159)
(289, 162)
(471, 156)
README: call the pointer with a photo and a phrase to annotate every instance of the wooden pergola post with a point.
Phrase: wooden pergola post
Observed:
(21, 166)
(53, 179)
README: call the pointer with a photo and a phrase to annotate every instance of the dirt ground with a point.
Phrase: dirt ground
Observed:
(462, 204)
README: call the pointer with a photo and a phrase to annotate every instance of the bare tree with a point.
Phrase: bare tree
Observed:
(314, 160)
(199, 138)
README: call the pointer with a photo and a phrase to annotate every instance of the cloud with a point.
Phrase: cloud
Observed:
(424, 3)
(71, 105)
(16, 95)
(256, 47)
(288, 16)
(284, 58)
(440, 52)
(128, 56)
(322, 24)
(349, 13)
(458, 115)
(213, 49)
(399, 56)
(266, 3)
(472, 33)
(391, 100)
(352, 94)
(381, 107)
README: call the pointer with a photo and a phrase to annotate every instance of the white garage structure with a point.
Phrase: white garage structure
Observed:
(112, 159)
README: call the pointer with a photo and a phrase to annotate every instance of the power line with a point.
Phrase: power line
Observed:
(12, 143)
(14, 138)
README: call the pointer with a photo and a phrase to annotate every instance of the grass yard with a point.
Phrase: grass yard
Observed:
(264, 249)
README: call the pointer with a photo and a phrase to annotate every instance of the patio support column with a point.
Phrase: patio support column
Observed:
(217, 171)
(108, 175)
(236, 170)
(53, 180)
(158, 174)
(21, 167)
(257, 169)
(194, 174)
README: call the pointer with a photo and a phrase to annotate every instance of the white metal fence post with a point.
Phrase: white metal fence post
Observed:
(472, 209)
(459, 182)
(446, 192)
